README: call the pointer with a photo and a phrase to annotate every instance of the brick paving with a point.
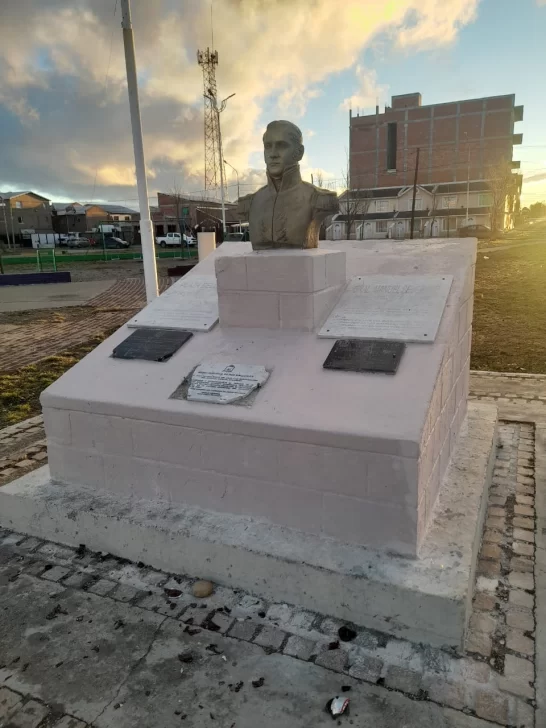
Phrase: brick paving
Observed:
(27, 343)
(20, 437)
(503, 388)
(502, 625)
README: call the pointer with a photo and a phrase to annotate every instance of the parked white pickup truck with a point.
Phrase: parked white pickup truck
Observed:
(175, 239)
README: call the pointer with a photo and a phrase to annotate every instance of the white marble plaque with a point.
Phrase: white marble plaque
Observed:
(190, 304)
(225, 383)
(406, 308)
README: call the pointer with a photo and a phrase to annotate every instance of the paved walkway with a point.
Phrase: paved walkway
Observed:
(52, 295)
(90, 640)
(511, 246)
(28, 342)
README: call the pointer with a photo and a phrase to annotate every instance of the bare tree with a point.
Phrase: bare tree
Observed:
(319, 178)
(348, 203)
(178, 199)
(432, 216)
(504, 189)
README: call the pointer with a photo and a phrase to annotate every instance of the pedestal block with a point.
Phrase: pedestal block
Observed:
(279, 289)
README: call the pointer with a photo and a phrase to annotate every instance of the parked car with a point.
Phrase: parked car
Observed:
(234, 237)
(74, 242)
(175, 239)
(111, 242)
(482, 232)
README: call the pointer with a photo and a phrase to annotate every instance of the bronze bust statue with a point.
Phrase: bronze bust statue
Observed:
(287, 212)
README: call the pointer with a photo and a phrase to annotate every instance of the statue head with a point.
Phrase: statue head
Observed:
(283, 147)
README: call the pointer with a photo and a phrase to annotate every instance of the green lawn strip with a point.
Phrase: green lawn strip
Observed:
(30, 260)
(20, 390)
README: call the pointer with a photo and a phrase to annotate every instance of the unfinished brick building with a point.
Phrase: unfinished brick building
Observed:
(459, 140)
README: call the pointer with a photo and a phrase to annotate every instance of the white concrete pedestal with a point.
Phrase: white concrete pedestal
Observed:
(357, 457)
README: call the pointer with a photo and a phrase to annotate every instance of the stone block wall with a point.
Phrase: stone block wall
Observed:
(279, 289)
(447, 408)
(351, 495)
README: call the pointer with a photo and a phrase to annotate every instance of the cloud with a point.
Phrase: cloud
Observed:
(65, 125)
(369, 92)
(538, 176)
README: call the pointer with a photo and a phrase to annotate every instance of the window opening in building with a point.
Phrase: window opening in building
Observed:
(392, 133)
(449, 202)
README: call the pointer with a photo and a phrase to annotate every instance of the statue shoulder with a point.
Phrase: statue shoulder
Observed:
(326, 200)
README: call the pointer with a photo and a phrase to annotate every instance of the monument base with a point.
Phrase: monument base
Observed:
(424, 600)
(357, 456)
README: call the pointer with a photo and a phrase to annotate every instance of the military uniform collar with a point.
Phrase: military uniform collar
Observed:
(290, 178)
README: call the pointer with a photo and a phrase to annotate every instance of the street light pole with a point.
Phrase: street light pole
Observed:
(237, 173)
(146, 230)
(222, 191)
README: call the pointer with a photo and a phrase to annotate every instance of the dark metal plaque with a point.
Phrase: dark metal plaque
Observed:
(151, 344)
(365, 355)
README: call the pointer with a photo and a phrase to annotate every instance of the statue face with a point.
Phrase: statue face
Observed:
(280, 151)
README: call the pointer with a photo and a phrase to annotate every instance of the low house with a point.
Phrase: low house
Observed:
(188, 213)
(69, 218)
(99, 213)
(23, 213)
(440, 211)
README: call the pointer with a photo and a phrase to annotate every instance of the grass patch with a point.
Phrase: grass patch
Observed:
(510, 310)
(20, 390)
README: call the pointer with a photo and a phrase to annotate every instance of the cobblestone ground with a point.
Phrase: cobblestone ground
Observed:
(492, 680)
(50, 333)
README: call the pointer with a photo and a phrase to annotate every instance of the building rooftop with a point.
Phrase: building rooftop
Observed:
(11, 195)
(113, 209)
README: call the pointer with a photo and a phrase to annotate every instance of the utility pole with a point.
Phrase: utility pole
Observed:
(221, 160)
(3, 202)
(237, 174)
(414, 192)
(146, 230)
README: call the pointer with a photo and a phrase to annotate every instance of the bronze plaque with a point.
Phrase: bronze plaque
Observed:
(151, 344)
(365, 355)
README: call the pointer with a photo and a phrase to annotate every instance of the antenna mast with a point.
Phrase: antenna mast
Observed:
(208, 60)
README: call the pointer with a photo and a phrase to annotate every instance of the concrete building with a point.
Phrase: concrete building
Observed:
(23, 213)
(457, 141)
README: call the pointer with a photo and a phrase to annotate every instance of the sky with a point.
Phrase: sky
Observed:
(64, 112)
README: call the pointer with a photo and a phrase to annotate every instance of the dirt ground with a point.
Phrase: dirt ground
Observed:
(510, 310)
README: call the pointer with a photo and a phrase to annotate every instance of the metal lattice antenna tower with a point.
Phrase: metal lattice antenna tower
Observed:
(208, 60)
